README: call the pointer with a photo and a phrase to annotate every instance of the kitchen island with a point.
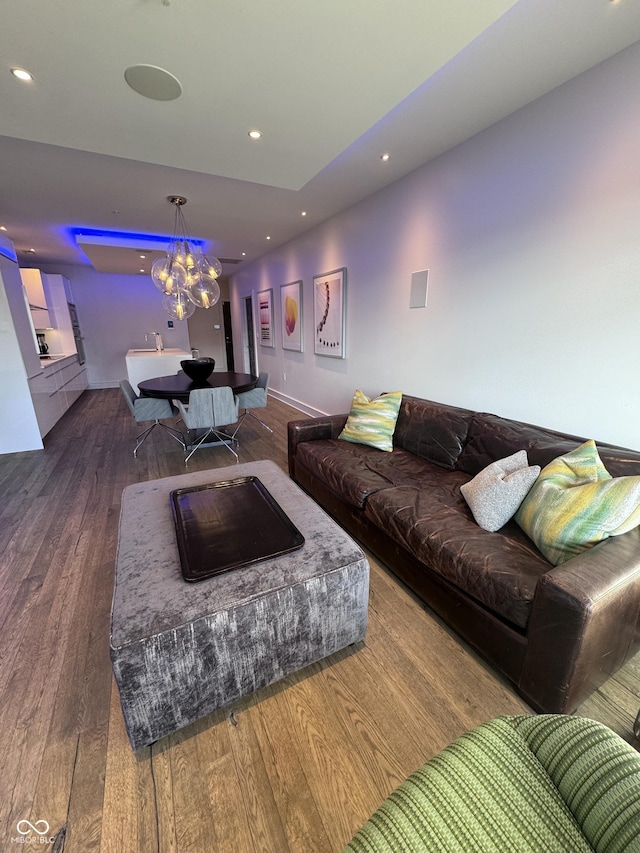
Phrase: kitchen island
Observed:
(149, 363)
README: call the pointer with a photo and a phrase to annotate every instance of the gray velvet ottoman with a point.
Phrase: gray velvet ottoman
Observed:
(180, 650)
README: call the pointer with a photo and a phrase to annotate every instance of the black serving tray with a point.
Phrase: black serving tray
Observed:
(228, 525)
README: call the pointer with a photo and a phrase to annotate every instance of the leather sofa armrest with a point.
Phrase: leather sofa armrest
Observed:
(311, 429)
(584, 624)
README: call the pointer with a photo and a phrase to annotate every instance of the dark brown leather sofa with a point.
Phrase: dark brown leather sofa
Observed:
(556, 632)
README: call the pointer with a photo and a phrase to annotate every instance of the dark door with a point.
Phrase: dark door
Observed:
(251, 344)
(228, 335)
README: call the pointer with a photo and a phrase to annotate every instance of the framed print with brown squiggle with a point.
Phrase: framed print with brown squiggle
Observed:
(329, 313)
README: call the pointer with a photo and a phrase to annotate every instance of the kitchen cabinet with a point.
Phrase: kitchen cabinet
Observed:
(56, 290)
(34, 285)
(46, 402)
(53, 323)
(71, 381)
(35, 393)
(18, 426)
(55, 389)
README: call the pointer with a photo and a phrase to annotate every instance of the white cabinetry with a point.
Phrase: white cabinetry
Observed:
(35, 394)
(34, 285)
(72, 381)
(46, 402)
(56, 389)
(18, 426)
(56, 289)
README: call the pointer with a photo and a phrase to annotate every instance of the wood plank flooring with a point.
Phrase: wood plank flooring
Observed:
(298, 766)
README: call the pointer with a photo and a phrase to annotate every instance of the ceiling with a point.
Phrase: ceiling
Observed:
(331, 84)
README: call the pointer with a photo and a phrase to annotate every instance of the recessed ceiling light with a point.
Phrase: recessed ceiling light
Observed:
(244, 254)
(31, 251)
(21, 74)
(304, 213)
(141, 270)
(385, 157)
(143, 257)
(2, 228)
(268, 238)
(255, 134)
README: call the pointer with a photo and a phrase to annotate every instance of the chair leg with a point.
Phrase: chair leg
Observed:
(142, 437)
(262, 423)
(174, 433)
(222, 437)
(240, 420)
(225, 439)
(243, 416)
(194, 447)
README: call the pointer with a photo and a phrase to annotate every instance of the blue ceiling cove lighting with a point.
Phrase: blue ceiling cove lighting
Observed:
(123, 239)
(6, 252)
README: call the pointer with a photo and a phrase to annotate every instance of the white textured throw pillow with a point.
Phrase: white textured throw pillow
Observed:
(495, 494)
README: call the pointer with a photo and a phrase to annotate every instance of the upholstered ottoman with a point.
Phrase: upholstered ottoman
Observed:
(180, 650)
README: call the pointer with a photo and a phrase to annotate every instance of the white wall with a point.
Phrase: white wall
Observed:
(18, 425)
(114, 312)
(531, 232)
(202, 332)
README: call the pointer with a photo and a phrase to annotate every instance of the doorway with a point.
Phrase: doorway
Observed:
(250, 341)
(228, 335)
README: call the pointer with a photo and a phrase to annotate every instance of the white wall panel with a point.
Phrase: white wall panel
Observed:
(530, 232)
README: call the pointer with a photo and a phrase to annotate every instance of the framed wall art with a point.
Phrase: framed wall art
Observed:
(329, 309)
(291, 314)
(265, 318)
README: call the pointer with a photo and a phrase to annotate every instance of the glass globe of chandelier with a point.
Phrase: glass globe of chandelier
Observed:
(185, 276)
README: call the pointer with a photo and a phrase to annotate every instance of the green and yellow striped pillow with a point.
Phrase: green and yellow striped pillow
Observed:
(575, 503)
(373, 421)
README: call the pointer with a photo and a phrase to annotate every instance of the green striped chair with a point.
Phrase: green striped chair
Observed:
(538, 784)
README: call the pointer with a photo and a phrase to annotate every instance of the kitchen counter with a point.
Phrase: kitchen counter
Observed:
(149, 363)
(47, 365)
(44, 362)
(145, 353)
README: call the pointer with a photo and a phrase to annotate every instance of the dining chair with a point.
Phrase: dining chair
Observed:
(150, 409)
(210, 409)
(254, 399)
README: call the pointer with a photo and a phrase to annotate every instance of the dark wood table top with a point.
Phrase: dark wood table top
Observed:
(178, 385)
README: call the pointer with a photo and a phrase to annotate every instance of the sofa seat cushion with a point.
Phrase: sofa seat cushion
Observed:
(500, 570)
(355, 471)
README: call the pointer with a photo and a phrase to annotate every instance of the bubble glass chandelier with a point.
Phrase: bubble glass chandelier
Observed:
(185, 276)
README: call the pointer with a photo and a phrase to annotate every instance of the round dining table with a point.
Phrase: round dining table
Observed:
(178, 385)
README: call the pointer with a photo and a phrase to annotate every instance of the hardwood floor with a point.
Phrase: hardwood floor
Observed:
(298, 766)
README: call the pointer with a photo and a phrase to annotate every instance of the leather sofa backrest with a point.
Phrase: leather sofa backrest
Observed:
(433, 431)
(491, 437)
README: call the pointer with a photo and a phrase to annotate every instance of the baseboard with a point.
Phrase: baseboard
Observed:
(284, 398)
(296, 404)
